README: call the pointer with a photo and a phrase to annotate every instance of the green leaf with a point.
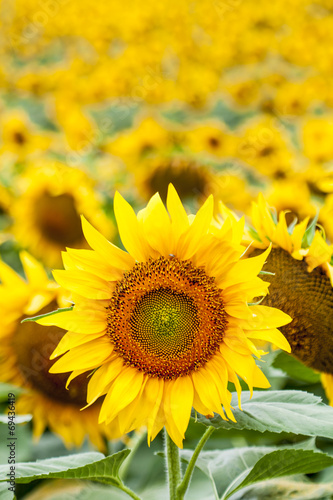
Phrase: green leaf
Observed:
(19, 419)
(223, 467)
(295, 369)
(278, 411)
(52, 313)
(286, 489)
(69, 489)
(5, 494)
(284, 463)
(93, 466)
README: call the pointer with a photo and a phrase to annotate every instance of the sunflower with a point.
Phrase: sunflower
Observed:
(19, 136)
(46, 211)
(166, 325)
(193, 178)
(24, 352)
(265, 146)
(190, 177)
(301, 286)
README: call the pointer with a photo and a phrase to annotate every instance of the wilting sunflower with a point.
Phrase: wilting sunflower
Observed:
(165, 326)
(46, 211)
(24, 354)
(301, 286)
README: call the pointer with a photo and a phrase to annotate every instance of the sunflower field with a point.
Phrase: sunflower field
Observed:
(166, 244)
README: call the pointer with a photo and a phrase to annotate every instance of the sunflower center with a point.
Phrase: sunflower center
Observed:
(189, 178)
(308, 299)
(19, 138)
(57, 218)
(166, 317)
(33, 344)
(164, 321)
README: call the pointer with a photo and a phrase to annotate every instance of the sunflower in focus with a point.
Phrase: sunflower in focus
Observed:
(47, 207)
(24, 352)
(166, 325)
(302, 285)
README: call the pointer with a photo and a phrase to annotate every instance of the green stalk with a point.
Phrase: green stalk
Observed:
(182, 488)
(173, 465)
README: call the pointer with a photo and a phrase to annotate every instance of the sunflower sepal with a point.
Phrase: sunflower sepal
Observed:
(310, 232)
(52, 313)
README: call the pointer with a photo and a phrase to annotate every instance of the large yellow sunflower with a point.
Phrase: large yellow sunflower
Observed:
(46, 211)
(167, 325)
(24, 353)
(301, 286)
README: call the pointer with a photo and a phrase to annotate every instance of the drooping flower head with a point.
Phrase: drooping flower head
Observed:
(25, 349)
(166, 325)
(302, 285)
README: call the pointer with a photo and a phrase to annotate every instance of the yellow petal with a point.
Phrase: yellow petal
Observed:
(91, 261)
(152, 398)
(72, 339)
(123, 391)
(272, 335)
(178, 403)
(179, 219)
(157, 226)
(33, 270)
(245, 270)
(190, 240)
(130, 230)
(84, 283)
(205, 387)
(102, 377)
(84, 357)
(112, 254)
(327, 381)
(265, 318)
(89, 321)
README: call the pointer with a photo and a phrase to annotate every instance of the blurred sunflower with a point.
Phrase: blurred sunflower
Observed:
(301, 286)
(19, 136)
(191, 178)
(317, 138)
(210, 138)
(167, 325)
(46, 210)
(291, 195)
(146, 138)
(265, 146)
(24, 352)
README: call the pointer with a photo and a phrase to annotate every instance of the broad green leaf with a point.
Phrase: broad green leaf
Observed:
(5, 494)
(284, 463)
(278, 411)
(68, 489)
(295, 369)
(19, 419)
(223, 467)
(93, 466)
(286, 489)
(52, 313)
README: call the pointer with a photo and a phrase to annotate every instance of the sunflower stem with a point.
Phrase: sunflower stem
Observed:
(182, 488)
(128, 491)
(173, 465)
